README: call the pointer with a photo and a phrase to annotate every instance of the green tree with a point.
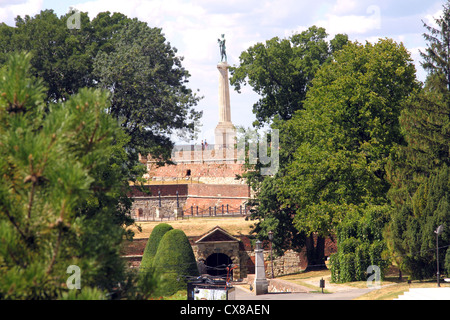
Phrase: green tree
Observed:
(133, 61)
(174, 262)
(62, 58)
(281, 70)
(152, 245)
(147, 82)
(60, 190)
(436, 56)
(347, 132)
(412, 228)
(418, 168)
(360, 244)
(333, 153)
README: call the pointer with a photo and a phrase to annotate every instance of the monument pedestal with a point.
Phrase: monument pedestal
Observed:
(261, 284)
(225, 135)
(158, 213)
(225, 132)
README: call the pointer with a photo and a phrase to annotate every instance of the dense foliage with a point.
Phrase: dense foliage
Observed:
(133, 61)
(62, 192)
(174, 263)
(281, 70)
(418, 170)
(333, 153)
(152, 245)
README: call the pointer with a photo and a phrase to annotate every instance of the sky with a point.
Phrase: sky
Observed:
(193, 27)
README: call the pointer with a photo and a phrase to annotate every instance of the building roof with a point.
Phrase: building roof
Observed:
(217, 234)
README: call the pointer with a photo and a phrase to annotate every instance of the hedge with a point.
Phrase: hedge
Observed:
(174, 263)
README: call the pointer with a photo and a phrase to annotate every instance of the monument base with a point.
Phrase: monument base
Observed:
(225, 135)
(261, 286)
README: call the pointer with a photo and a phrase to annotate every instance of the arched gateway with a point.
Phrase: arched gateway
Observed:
(216, 250)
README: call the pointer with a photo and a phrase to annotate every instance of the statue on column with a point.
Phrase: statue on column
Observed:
(223, 52)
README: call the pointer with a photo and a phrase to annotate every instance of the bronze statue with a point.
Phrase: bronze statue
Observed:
(223, 52)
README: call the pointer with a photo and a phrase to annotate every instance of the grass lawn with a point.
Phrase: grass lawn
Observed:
(199, 226)
(390, 289)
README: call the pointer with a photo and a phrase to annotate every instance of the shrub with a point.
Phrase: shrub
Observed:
(152, 245)
(360, 244)
(174, 262)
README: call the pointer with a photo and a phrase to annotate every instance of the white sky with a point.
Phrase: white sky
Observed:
(193, 27)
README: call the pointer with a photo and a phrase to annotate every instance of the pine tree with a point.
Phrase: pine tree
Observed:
(61, 190)
(417, 170)
(436, 56)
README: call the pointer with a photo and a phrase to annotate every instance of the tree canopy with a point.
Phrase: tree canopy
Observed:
(281, 70)
(61, 191)
(338, 146)
(418, 170)
(147, 82)
(133, 61)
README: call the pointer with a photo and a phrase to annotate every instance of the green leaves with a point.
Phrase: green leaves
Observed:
(348, 129)
(149, 97)
(24, 92)
(57, 208)
(281, 70)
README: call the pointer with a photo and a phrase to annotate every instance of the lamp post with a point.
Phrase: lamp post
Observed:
(270, 234)
(438, 231)
(159, 198)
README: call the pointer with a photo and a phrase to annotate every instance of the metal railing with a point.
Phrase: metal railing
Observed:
(166, 214)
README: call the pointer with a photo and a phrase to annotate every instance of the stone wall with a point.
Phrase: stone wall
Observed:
(290, 262)
(209, 173)
(199, 197)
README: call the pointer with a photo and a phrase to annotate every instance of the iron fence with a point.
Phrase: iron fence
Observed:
(166, 214)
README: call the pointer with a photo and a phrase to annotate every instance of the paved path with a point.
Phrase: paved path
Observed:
(244, 294)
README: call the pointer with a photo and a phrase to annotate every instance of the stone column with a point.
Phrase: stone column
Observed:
(224, 93)
(225, 131)
(261, 284)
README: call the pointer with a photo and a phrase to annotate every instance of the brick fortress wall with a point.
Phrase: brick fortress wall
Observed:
(199, 197)
(204, 178)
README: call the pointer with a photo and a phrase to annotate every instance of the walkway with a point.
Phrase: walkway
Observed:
(244, 294)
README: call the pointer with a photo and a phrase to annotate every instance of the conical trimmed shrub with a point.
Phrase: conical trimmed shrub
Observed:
(152, 245)
(174, 262)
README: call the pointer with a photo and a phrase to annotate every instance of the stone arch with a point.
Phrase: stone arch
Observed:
(218, 243)
(216, 264)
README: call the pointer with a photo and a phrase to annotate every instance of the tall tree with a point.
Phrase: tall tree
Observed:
(418, 170)
(281, 70)
(61, 190)
(147, 82)
(341, 141)
(65, 60)
(436, 56)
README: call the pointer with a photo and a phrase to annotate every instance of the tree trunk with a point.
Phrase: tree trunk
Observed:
(315, 252)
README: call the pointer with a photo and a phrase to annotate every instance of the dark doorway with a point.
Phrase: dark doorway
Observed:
(188, 172)
(217, 264)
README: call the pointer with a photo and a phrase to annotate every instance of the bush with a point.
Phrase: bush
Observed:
(174, 262)
(152, 245)
(360, 245)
